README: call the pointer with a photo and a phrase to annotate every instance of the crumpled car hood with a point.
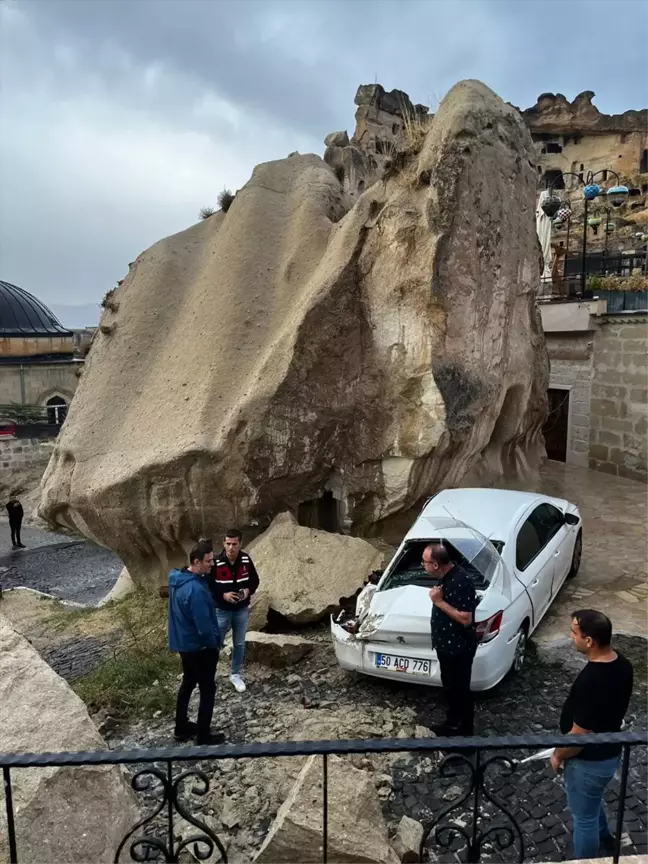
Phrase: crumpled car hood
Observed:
(398, 615)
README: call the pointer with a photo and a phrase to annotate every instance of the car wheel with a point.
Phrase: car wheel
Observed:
(576, 557)
(520, 650)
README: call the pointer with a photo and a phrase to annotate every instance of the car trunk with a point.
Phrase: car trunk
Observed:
(400, 616)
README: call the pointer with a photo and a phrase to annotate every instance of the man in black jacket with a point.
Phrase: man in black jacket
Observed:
(15, 511)
(234, 581)
(453, 637)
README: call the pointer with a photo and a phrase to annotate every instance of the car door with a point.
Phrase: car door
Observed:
(535, 546)
(551, 524)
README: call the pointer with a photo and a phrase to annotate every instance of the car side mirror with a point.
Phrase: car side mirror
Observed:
(374, 578)
(571, 519)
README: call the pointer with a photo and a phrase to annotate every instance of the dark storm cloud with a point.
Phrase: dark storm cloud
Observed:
(120, 118)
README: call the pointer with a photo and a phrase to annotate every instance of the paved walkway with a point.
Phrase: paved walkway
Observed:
(614, 571)
(67, 567)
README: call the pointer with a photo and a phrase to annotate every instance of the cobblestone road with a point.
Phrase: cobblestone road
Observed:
(526, 704)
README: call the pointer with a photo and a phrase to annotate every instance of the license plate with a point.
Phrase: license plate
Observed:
(406, 665)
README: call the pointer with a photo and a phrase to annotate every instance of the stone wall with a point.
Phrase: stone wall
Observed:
(619, 404)
(19, 453)
(570, 357)
(39, 382)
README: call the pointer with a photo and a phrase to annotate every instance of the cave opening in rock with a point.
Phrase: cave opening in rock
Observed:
(643, 162)
(322, 513)
(551, 175)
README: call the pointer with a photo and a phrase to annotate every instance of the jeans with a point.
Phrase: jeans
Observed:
(455, 677)
(236, 619)
(198, 668)
(585, 784)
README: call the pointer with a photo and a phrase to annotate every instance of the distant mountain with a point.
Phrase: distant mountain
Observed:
(77, 317)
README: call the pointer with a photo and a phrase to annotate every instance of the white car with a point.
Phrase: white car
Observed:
(518, 547)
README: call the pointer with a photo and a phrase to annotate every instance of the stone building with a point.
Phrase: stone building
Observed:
(598, 389)
(598, 344)
(39, 358)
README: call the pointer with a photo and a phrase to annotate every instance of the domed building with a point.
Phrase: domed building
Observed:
(39, 360)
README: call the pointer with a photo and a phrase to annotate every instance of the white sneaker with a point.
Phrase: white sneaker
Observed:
(238, 682)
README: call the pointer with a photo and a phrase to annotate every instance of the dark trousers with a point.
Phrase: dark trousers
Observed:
(455, 677)
(15, 532)
(198, 668)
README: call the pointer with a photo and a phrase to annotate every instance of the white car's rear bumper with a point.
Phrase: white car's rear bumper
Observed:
(489, 667)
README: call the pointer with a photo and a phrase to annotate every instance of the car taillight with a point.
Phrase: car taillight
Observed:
(488, 629)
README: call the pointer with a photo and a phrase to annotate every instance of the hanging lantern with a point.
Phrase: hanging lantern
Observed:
(551, 206)
(562, 215)
(617, 195)
(644, 238)
(611, 226)
(591, 191)
(594, 221)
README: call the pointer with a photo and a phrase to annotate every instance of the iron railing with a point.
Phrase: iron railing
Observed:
(469, 754)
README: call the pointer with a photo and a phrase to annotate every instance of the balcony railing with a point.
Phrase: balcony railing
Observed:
(472, 761)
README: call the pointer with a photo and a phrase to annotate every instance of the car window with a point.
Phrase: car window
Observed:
(527, 545)
(548, 521)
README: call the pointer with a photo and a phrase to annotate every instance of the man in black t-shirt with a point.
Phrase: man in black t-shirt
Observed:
(453, 637)
(597, 702)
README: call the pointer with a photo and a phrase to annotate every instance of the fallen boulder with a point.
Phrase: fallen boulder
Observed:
(305, 573)
(357, 833)
(275, 649)
(303, 348)
(61, 814)
(408, 840)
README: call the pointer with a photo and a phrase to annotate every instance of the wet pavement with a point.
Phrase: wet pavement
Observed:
(66, 567)
(613, 576)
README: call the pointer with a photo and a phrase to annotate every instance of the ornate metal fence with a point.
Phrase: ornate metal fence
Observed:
(476, 757)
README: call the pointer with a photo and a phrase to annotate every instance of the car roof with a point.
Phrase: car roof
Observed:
(493, 512)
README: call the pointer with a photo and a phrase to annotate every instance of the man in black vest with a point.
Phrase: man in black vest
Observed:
(453, 637)
(234, 581)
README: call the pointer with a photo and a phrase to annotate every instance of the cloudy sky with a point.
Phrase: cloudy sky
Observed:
(120, 119)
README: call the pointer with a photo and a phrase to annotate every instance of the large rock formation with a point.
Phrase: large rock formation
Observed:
(61, 814)
(294, 347)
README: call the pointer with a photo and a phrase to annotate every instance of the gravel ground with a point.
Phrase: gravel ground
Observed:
(318, 700)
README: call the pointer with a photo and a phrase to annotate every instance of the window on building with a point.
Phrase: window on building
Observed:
(554, 148)
(57, 409)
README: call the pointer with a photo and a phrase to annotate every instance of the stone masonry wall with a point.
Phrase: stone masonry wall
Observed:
(619, 404)
(18, 453)
(571, 369)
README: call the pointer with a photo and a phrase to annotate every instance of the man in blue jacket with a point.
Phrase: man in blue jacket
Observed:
(194, 634)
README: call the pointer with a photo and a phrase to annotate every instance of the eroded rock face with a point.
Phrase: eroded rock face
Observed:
(293, 346)
(61, 814)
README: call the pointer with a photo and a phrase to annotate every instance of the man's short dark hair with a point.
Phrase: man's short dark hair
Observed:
(594, 624)
(207, 542)
(198, 552)
(234, 534)
(439, 554)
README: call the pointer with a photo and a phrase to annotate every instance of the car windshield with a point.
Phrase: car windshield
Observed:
(468, 548)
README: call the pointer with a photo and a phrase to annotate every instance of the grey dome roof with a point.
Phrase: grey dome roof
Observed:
(21, 314)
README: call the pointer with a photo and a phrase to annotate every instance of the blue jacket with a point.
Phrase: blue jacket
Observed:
(192, 614)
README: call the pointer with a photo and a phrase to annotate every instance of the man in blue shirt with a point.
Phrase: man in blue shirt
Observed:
(194, 634)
